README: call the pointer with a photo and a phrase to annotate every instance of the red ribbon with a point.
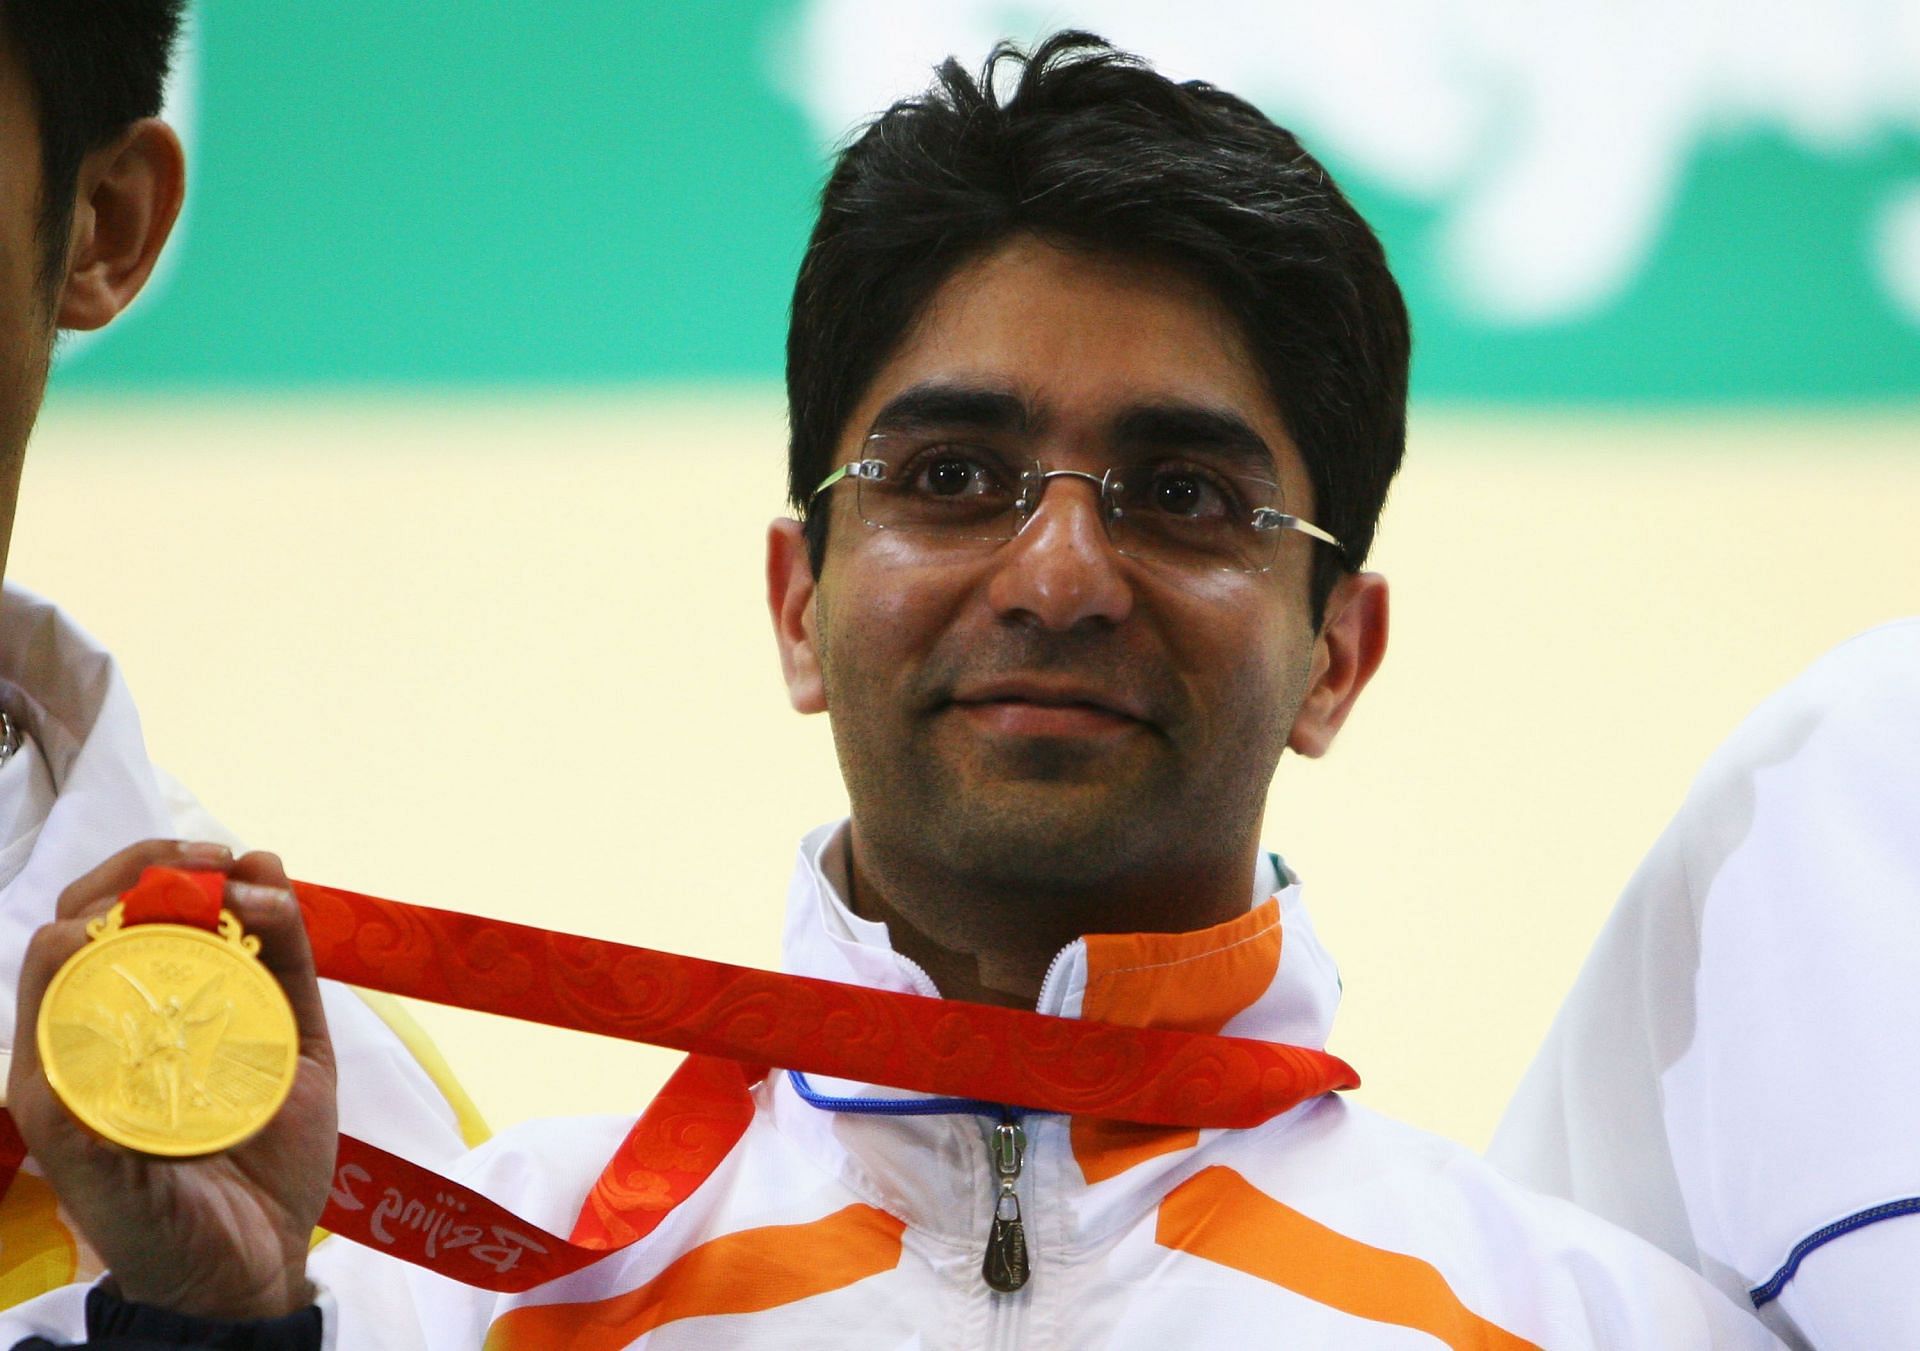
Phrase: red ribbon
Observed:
(1155, 1076)
(734, 1021)
(174, 896)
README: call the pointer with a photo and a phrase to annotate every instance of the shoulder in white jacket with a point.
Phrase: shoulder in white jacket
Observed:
(1736, 1073)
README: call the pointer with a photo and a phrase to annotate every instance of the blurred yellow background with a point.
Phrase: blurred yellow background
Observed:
(509, 654)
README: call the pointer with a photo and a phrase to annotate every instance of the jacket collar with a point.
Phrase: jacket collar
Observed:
(1262, 975)
(1238, 978)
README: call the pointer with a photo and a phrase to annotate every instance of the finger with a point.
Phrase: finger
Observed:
(261, 866)
(262, 900)
(97, 889)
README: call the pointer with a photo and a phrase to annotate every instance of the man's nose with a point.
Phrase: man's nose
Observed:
(1061, 570)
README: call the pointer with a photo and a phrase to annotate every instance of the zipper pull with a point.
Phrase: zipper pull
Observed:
(1006, 1268)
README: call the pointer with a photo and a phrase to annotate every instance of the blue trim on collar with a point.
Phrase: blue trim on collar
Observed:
(827, 1102)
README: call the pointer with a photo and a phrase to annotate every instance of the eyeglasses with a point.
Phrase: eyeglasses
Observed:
(1187, 510)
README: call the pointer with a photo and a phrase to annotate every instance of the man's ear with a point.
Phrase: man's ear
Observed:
(790, 601)
(1351, 644)
(127, 198)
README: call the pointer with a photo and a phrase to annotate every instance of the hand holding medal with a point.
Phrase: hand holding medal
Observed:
(165, 1034)
(177, 1089)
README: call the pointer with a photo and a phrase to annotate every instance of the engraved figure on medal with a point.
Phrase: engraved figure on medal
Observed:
(169, 1039)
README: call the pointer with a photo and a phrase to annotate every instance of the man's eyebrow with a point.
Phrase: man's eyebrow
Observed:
(1173, 426)
(979, 408)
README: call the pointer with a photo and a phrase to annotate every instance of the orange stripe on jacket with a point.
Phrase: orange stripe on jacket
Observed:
(1221, 1217)
(747, 1272)
(1193, 982)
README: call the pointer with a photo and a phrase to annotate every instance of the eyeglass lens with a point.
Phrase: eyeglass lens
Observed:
(1184, 510)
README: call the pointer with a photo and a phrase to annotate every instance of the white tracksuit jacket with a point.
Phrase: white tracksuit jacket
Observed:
(1327, 1227)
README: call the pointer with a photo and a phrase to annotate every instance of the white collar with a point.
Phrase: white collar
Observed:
(825, 938)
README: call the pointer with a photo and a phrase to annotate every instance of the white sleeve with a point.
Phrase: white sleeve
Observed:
(59, 1315)
(1759, 989)
(1859, 1292)
(1588, 1122)
(387, 1098)
(191, 820)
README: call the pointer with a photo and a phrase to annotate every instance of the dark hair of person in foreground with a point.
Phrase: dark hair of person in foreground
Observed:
(96, 67)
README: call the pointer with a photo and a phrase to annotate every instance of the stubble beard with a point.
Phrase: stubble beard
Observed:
(1045, 823)
(1055, 835)
(1048, 836)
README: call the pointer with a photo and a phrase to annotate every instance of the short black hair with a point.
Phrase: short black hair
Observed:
(97, 67)
(1093, 148)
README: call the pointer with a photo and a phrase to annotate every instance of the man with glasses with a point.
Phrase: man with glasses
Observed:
(1096, 386)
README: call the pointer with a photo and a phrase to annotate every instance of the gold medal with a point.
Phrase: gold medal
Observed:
(168, 1039)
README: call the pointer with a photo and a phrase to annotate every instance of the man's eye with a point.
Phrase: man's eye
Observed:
(949, 478)
(951, 475)
(1186, 493)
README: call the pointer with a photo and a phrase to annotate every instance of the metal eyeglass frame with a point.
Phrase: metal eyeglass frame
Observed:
(1263, 518)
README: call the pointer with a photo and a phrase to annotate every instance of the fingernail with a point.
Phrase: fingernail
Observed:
(204, 854)
(252, 893)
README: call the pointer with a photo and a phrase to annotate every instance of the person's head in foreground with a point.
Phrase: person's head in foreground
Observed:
(1096, 384)
(90, 184)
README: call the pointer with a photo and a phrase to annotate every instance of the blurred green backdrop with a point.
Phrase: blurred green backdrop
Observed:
(598, 192)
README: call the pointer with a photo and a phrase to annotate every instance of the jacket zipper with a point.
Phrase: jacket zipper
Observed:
(1005, 1267)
